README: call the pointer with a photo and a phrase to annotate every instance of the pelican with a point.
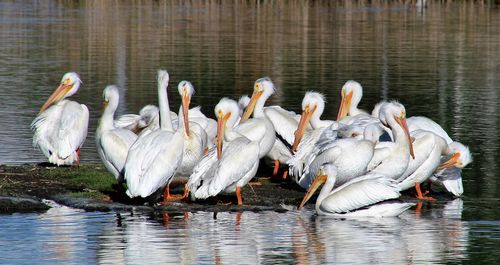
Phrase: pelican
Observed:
(428, 148)
(358, 197)
(146, 121)
(349, 115)
(352, 92)
(391, 158)
(112, 143)
(232, 164)
(154, 158)
(313, 105)
(260, 127)
(61, 126)
(449, 173)
(195, 137)
(350, 157)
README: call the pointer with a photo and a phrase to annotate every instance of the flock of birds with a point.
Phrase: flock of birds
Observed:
(364, 160)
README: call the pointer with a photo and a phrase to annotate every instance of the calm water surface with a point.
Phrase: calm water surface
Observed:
(442, 62)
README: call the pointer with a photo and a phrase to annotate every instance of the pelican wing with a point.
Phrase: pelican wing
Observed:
(204, 170)
(451, 179)
(128, 121)
(152, 161)
(285, 122)
(73, 129)
(313, 166)
(424, 123)
(239, 158)
(114, 145)
(360, 192)
(253, 129)
(304, 152)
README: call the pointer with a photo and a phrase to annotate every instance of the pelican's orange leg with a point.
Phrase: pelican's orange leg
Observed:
(285, 175)
(276, 167)
(238, 195)
(167, 197)
(420, 196)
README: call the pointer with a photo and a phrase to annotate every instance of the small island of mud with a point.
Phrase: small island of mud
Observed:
(92, 188)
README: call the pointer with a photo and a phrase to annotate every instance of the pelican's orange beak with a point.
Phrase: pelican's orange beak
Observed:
(304, 120)
(221, 126)
(186, 99)
(251, 106)
(59, 94)
(345, 104)
(402, 122)
(320, 179)
(453, 161)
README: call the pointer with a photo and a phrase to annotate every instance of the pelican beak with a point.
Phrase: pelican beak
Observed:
(251, 106)
(320, 179)
(402, 122)
(186, 99)
(221, 125)
(59, 94)
(453, 161)
(304, 120)
(345, 104)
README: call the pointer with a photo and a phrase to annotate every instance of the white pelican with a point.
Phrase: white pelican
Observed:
(61, 126)
(195, 137)
(313, 105)
(391, 158)
(260, 127)
(148, 120)
(448, 174)
(428, 148)
(232, 164)
(153, 159)
(349, 115)
(112, 143)
(352, 92)
(350, 157)
(360, 196)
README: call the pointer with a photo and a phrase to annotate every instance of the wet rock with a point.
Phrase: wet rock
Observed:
(21, 204)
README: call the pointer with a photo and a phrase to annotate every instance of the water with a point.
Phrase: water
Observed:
(441, 62)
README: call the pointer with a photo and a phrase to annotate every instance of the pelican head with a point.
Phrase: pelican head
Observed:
(326, 172)
(313, 103)
(395, 112)
(264, 88)
(149, 114)
(111, 97)
(68, 86)
(352, 92)
(226, 112)
(460, 156)
(186, 90)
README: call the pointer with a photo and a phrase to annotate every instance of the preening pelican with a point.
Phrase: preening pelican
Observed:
(112, 143)
(61, 126)
(360, 196)
(428, 148)
(260, 127)
(147, 121)
(349, 156)
(232, 164)
(391, 158)
(154, 158)
(448, 174)
(195, 137)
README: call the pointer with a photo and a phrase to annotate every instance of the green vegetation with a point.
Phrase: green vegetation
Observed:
(91, 177)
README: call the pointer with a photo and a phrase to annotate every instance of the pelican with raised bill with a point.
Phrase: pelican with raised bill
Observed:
(112, 143)
(363, 196)
(61, 126)
(154, 158)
